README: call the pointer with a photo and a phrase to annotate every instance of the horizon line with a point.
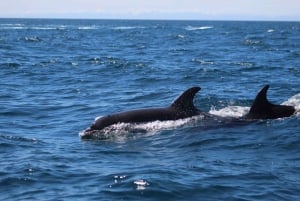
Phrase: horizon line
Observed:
(152, 19)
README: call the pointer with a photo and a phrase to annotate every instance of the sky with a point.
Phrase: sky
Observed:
(153, 9)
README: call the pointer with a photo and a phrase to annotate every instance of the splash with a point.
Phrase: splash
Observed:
(239, 111)
(122, 131)
(230, 111)
(295, 102)
(141, 184)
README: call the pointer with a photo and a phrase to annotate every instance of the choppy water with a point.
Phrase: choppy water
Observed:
(58, 75)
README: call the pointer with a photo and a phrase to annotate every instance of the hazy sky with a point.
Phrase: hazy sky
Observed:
(154, 9)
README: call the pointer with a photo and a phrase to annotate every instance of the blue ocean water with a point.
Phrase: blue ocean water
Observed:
(57, 76)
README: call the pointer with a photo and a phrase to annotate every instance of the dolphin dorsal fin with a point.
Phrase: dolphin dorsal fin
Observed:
(185, 100)
(263, 109)
(261, 102)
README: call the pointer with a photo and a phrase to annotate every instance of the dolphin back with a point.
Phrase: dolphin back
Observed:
(182, 107)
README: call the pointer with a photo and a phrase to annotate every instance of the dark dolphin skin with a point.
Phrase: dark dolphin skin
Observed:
(183, 107)
(262, 109)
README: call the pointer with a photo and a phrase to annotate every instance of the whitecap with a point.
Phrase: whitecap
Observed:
(14, 28)
(180, 36)
(127, 27)
(43, 28)
(7, 24)
(87, 27)
(192, 28)
(141, 184)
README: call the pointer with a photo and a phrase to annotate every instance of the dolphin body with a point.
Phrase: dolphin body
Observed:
(183, 107)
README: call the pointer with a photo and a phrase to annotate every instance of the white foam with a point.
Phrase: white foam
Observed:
(295, 102)
(11, 24)
(87, 27)
(128, 27)
(156, 126)
(239, 111)
(191, 28)
(141, 184)
(230, 111)
(123, 131)
(180, 36)
(42, 28)
(16, 27)
(33, 28)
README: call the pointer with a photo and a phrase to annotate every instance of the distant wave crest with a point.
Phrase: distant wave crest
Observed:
(127, 27)
(192, 28)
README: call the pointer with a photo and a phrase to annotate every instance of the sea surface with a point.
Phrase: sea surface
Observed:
(57, 76)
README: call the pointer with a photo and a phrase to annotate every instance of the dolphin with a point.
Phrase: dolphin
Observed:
(182, 107)
(262, 109)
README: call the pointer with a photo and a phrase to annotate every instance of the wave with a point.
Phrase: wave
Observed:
(30, 28)
(34, 27)
(62, 27)
(10, 141)
(88, 28)
(192, 28)
(10, 64)
(8, 24)
(43, 28)
(127, 27)
(13, 27)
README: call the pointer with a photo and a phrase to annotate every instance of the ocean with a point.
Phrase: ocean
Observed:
(57, 76)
